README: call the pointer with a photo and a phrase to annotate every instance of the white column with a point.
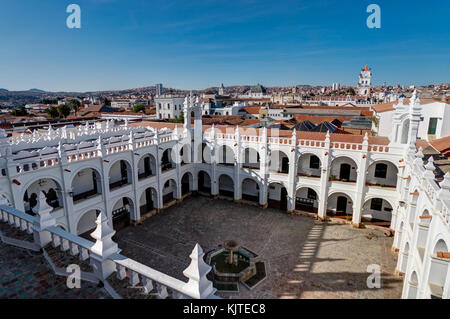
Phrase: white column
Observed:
(361, 184)
(324, 176)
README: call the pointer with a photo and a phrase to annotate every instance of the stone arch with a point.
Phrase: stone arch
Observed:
(226, 185)
(279, 162)
(405, 131)
(167, 161)
(251, 190)
(204, 182)
(423, 230)
(376, 209)
(382, 172)
(187, 183)
(50, 187)
(414, 196)
(120, 173)
(146, 166)
(307, 199)
(185, 154)
(225, 156)
(86, 222)
(344, 168)
(405, 256)
(277, 196)
(439, 266)
(250, 158)
(170, 191)
(122, 212)
(336, 205)
(309, 164)
(148, 200)
(413, 284)
(86, 183)
(205, 153)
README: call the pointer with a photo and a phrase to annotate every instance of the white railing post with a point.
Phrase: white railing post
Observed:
(44, 220)
(103, 248)
(198, 285)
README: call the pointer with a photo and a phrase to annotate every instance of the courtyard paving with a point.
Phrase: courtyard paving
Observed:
(304, 258)
(25, 274)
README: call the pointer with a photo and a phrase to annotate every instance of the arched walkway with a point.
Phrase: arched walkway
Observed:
(404, 260)
(382, 173)
(205, 154)
(377, 211)
(422, 236)
(51, 190)
(167, 162)
(226, 186)
(225, 156)
(204, 182)
(146, 166)
(121, 213)
(306, 199)
(186, 183)
(438, 269)
(343, 169)
(148, 201)
(86, 224)
(86, 184)
(251, 158)
(340, 204)
(120, 174)
(413, 286)
(309, 165)
(277, 196)
(185, 154)
(250, 190)
(279, 162)
(169, 191)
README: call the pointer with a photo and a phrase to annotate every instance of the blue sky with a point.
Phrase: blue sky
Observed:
(198, 44)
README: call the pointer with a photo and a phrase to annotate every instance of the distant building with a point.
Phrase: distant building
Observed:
(365, 81)
(336, 86)
(159, 89)
(221, 89)
(169, 106)
(258, 91)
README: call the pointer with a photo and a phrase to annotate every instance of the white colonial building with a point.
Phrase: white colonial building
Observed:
(169, 106)
(127, 173)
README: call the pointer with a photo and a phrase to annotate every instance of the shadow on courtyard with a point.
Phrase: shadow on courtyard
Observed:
(305, 258)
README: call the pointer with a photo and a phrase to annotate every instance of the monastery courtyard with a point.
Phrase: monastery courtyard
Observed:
(304, 258)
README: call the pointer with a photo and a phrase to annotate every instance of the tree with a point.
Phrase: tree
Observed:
(74, 105)
(63, 110)
(351, 91)
(52, 112)
(180, 119)
(20, 111)
(139, 108)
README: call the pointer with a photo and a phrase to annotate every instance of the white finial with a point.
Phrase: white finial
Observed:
(43, 207)
(445, 184)
(419, 153)
(198, 285)
(429, 173)
(104, 245)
